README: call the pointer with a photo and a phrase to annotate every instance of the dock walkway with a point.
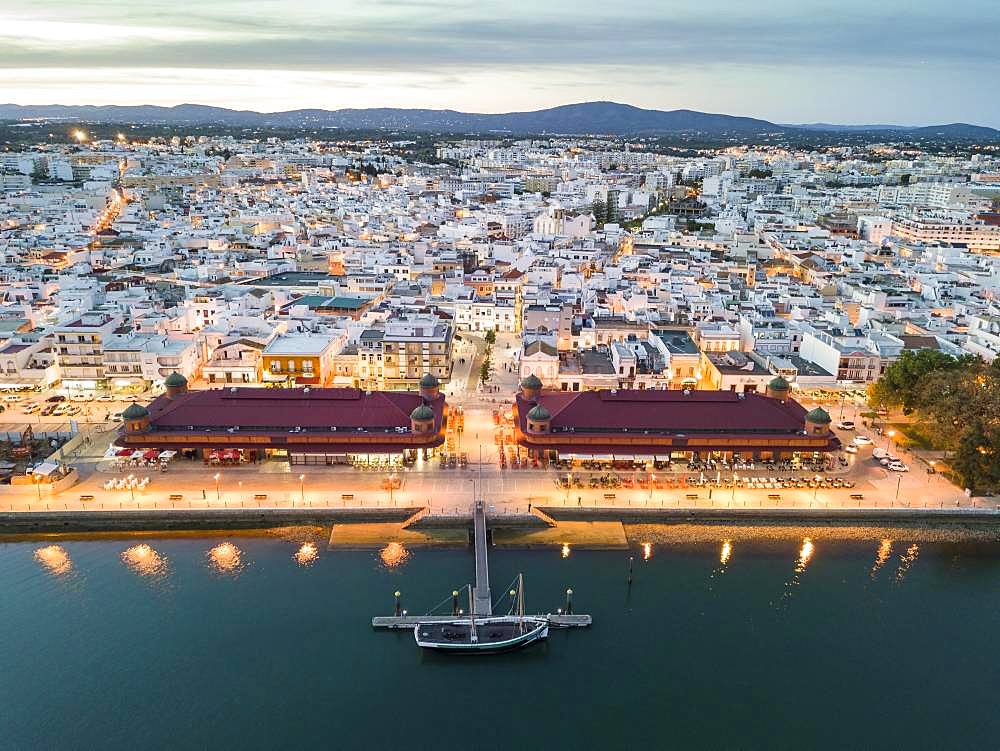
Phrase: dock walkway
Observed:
(482, 603)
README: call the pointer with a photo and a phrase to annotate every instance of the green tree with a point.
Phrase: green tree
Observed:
(900, 383)
(975, 461)
(600, 211)
(491, 337)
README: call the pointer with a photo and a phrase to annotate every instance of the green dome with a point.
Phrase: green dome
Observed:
(423, 412)
(779, 384)
(134, 412)
(176, 380)
(819, 416)
(429, 381)
(538, 413)
(531, 382)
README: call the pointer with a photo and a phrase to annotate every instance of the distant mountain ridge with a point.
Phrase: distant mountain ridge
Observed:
(595, 118)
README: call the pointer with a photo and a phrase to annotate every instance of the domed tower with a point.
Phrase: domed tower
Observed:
(538, 420)
(531, 387)
(422, 419)
(430, 387)
(818, 422)
(136, 419)
(778, 388)
(175, 384)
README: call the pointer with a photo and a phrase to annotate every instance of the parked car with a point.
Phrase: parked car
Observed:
(846, 425)
(850, 449)
(105, 398)
(48, 410)
(31, 407)
(12, 397)
(56, 398)
(862, 440)
(898, 467)
(879, 454)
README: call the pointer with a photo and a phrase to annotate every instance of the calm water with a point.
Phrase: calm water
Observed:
(104, 645)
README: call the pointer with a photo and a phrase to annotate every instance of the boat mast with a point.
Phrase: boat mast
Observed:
(520, 601)
(474, 637)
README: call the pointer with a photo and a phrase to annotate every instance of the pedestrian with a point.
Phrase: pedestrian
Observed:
(529, 507)
(203, 496)
(579, 500)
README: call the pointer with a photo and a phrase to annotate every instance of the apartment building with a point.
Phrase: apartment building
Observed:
(79, 349)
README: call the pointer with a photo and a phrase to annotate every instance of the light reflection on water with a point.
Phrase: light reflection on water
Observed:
(882, 556)
(55, 559)
(906, 562)
(307, 554)
(394, 555)
(726, 553)
(145, 561)
(805, 553)
(226, 558)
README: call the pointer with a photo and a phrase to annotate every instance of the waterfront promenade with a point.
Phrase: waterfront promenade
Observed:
(189, 485)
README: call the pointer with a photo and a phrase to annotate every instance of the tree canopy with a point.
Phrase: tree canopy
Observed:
(956, 404)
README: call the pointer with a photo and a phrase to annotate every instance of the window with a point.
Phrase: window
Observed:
(275, 366)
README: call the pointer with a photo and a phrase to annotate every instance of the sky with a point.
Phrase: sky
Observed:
(842, 61)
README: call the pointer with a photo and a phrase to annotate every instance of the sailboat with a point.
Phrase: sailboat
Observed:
(484, 634)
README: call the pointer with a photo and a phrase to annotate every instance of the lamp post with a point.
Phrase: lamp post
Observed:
(218, 492)
(899, 481)
(302, 488)
(888, 437)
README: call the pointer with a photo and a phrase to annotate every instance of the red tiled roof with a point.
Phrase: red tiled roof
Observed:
(343, 408)
(667, 411)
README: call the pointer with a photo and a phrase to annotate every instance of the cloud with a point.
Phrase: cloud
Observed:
(435, 34)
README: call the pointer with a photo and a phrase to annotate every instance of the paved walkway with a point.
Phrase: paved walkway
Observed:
(447, 491)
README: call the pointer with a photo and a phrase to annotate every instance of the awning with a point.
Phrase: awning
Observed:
(602, 457)
(168, 454)
(624, 458)
(137, 454)
(124, 452)
(151, 454)
(45, 469)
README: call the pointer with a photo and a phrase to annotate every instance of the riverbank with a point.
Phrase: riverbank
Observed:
(515, 529)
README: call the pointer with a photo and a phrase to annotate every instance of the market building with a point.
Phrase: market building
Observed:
(299, 425)
(625, 424)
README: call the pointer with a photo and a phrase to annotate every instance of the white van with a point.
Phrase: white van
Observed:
(879, 454)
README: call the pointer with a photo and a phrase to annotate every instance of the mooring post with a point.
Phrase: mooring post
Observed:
(399, 607)
(631, 559)
(454, 602)
(569, 602)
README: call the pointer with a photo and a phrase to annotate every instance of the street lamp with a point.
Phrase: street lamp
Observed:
(218, 493)
(933, 463)
(899, 481)
(888, 437)
(302, 488)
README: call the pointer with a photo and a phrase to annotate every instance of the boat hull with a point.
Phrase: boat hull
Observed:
(494, 635)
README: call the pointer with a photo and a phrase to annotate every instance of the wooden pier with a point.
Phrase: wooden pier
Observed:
(482, 604)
